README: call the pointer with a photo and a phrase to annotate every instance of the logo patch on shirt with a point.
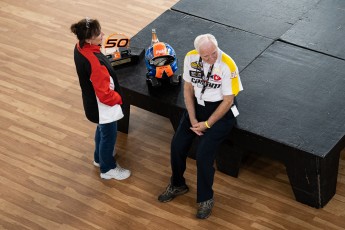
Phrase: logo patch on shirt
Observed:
(196, 74)
(216, 77)
(195, 65)
(233, 75)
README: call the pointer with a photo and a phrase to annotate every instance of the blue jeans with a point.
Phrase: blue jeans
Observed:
(105, 139)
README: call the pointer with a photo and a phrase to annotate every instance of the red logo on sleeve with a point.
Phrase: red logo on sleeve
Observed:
(216, 77)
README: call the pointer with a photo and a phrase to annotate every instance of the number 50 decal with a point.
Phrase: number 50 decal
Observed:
(114, 42)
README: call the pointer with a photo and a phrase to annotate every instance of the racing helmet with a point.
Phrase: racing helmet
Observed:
(160, 60)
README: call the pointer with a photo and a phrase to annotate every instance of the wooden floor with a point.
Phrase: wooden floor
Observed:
(47, 180)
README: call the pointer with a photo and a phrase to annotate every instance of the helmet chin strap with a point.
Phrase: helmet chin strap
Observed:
(161, 69)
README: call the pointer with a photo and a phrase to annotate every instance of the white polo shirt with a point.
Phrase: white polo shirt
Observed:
(224, 79)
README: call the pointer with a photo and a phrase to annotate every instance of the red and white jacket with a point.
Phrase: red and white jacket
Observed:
(101, 92)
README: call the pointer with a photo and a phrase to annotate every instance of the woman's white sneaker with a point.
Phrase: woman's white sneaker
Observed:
(117, 173)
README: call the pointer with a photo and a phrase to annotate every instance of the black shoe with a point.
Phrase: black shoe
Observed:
(171, 192)
(205, 209)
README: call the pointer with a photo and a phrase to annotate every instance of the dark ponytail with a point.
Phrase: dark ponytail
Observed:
(86, 29)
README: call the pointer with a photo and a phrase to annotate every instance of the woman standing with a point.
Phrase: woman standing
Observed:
(101, 95)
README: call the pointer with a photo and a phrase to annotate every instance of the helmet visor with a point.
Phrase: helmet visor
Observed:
(162, 60)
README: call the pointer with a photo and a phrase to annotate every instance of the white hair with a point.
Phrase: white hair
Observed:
(201, 39)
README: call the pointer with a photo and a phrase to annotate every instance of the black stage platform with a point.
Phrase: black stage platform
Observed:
(181, 34)
(291, 109)
(322, 29)
(263, 17)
